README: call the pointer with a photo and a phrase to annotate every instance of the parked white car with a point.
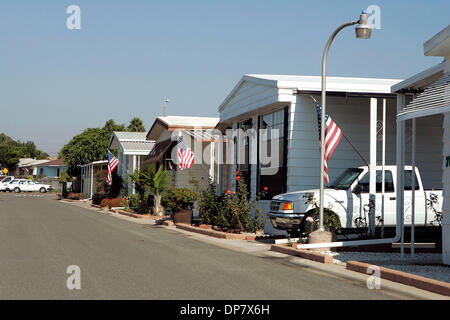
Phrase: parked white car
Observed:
(4, 183)
(19, 185)
(348, 197)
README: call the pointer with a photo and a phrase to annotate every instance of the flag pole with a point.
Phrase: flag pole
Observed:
(356, 150)
(349, 142)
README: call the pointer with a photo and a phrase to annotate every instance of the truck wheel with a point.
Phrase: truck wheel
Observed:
(16, 189)
(42, 190)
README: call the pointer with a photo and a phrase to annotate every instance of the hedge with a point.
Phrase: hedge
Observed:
(112, 203)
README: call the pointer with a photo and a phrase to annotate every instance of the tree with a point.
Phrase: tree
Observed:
(90, 145)
(153, 182)
(11, 151)
(136, 125)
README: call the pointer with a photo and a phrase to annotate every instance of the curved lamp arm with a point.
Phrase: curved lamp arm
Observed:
(322, 126)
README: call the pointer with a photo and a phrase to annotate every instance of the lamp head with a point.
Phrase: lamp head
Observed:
(363, 30)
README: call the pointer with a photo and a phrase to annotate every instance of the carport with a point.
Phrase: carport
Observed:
(423, 113)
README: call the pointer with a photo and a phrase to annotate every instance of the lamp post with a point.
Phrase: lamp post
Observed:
(165, 107)
(363, 31)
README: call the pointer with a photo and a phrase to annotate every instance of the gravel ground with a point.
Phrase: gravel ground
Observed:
(441, 273)
(423, 264)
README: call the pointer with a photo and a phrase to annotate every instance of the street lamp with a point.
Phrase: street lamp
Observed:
(363, 31)
(165, 107)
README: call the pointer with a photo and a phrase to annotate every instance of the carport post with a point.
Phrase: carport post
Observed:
(383, 162)
(413, 184)
(400, 171)
(373, 165)
(92, 180)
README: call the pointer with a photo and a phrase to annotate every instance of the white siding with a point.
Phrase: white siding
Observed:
(249, 97)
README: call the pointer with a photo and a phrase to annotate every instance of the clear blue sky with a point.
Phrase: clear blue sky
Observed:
(130, 55)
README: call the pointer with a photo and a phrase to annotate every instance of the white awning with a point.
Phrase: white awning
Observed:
(434, 99)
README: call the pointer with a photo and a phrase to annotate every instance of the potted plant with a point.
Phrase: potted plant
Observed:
(180, 202)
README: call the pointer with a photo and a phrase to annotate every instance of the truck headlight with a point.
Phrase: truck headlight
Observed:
(287, 205)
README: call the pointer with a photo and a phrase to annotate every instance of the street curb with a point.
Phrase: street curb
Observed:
(212, 233)
(409, 279)
(302, 253)
(167, 223)
(129, 214)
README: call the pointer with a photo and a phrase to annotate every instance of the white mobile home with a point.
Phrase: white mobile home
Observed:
(132, 147)
(284, 103)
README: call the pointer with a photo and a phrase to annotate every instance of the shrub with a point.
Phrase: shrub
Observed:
(177, 199)
(235, 210)
(208, 204)
(77, 196)
(331, 221)
(113, 203)
(141, 206)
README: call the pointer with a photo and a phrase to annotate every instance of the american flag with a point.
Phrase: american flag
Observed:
(333, 135)
(112, 164)
(185, 155)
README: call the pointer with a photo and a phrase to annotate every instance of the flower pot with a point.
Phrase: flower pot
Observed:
(182, 216)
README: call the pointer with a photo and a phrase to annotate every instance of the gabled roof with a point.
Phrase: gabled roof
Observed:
(188, 122)
(131, 143)
(54, 163)
(313, 83)
(28, 162)
(172, 123)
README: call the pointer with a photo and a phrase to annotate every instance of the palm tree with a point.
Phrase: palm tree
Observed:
(153, 182)
(136, 125)
(158, 183)
(138, 179)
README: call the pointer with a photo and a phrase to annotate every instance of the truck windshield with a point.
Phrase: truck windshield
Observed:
(345, 180)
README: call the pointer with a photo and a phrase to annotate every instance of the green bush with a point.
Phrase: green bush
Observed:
(177, 199)
(209, 204)
(141, 206)
(331, 221)
(233, 211)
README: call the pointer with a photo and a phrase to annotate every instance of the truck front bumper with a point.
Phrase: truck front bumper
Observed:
(286, 221)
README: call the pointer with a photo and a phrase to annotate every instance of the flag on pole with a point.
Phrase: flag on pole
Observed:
(185, 155)
(333, 135)
(112, 164)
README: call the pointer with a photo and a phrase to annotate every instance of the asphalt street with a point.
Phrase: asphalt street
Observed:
(40, 237)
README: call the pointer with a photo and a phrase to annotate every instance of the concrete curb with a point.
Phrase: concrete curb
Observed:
(167, 223)
(302, 253)
(409, 279)
(211, 232)
(129, 214)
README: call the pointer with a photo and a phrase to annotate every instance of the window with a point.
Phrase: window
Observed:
(57, 172)
(345, 180)
(388, 182)
(244, 166)
(272, 176)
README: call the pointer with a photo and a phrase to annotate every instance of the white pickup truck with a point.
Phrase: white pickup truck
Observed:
(348, 197)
